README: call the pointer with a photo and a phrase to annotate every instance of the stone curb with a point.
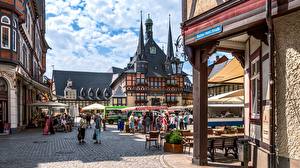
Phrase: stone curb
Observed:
(164, 162)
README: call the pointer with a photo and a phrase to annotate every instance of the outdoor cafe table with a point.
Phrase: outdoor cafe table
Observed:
(212, 146)
(211, 138)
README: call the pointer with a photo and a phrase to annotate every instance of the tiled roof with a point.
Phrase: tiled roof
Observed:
(98, 83)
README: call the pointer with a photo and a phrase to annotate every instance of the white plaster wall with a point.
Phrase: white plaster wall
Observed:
(254, 44)
(130, 101)
(246, 91)
(13, 108)
(266, 74)
(287, 40)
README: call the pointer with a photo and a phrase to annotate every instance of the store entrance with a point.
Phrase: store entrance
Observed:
(3, 104)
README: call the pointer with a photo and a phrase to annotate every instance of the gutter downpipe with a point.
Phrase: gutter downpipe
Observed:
(270, 25)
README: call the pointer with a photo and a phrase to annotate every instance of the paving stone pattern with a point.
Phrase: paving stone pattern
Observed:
(32, 149)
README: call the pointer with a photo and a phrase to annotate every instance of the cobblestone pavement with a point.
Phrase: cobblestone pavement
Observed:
(31, 149)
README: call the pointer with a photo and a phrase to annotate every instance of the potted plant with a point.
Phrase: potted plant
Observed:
(173, 142)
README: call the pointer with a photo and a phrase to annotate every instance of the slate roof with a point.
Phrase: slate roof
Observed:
(115, 70)
(98, 83)
(156, 62)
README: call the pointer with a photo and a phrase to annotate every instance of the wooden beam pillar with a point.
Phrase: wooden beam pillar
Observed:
(200, 99)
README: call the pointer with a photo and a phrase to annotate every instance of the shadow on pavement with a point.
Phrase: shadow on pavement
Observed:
(32, 149)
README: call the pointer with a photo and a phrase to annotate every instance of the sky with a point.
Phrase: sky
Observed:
(93, 35)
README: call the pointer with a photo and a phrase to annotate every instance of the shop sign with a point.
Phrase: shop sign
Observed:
(266, 126)
(209, 32)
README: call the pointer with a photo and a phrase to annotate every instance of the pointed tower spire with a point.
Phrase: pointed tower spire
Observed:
(141, 47)
(170, 51)
(149, 25)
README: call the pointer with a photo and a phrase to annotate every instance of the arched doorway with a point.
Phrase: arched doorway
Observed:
(3, 104)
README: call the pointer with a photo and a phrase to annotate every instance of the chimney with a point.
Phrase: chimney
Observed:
(131, 58)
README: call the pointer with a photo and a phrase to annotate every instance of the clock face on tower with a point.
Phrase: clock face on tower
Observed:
(152, 50)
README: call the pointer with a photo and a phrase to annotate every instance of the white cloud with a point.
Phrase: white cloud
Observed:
(92, 35)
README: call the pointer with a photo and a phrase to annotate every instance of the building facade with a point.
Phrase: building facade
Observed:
(22, 61)
(80, 89)
(263, 36)
(152, 77)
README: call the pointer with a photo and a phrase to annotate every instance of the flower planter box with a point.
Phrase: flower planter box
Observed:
(173, 148)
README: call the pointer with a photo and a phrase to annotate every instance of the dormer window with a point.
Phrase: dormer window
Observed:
(69, 83)
(91, 93)
(106, 93)
(98, 93)
(82, 92)
(152, 50)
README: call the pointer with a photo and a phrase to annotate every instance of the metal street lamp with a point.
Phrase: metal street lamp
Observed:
(177, 66)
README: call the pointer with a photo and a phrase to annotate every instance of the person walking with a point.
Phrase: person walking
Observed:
(140, 123)
(131, 122)
(185, 121)
(47, 125)
(147, 123)
(97, 130)
(158, 123)
(88, 120)
(180, 120)
(164, 123)
(82, 127)
(51, 128)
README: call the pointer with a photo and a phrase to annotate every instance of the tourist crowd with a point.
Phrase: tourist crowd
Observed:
(155, 121)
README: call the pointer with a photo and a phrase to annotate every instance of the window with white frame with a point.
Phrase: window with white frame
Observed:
(5, 20)
(255, 88)
(14, 39)
(14, 36)
(5, 32)
(5, 37)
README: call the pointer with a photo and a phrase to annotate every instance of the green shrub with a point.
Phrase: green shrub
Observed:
(174, 137)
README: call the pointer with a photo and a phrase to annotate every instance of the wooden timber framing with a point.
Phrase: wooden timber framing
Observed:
(200, 117)
(238, 19)
(198, 58)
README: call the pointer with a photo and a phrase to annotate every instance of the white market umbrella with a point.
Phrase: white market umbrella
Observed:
(49, 104)
(94, 106)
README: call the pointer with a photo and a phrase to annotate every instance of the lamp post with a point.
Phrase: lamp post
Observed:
(177, 66)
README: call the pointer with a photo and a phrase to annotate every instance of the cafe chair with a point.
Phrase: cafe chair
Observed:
(215, 144)
(188, 142)
(230, 147)
(152, 136)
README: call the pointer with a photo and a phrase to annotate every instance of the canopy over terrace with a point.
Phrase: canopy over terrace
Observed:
(145, 108)
(231, 73)
(50, 104)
